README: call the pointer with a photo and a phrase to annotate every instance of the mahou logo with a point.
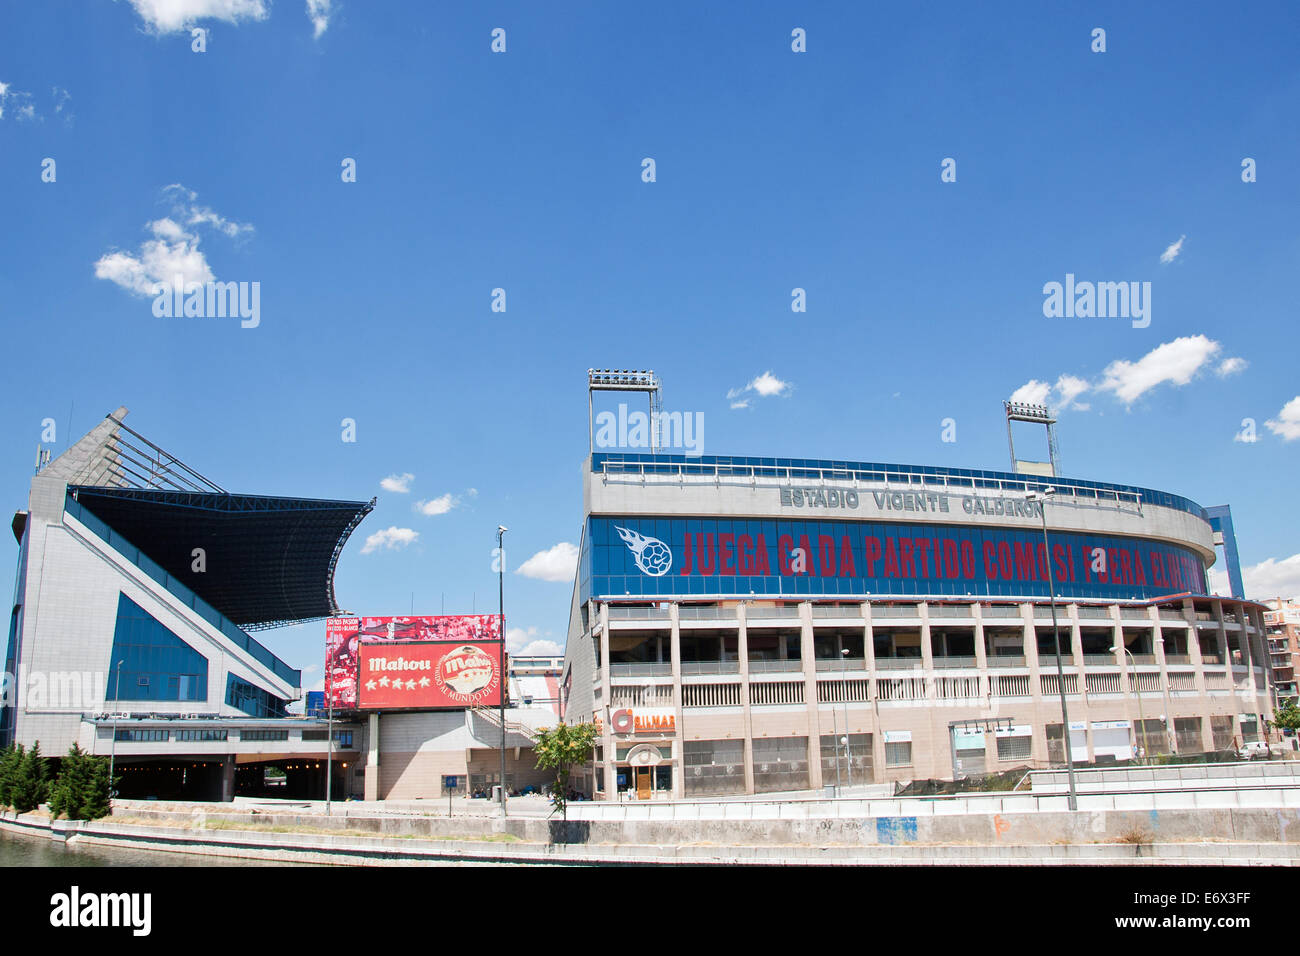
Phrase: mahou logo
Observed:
(652, 555)
(465, 673)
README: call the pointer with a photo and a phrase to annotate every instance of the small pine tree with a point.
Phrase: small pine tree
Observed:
(81, 790)
(10, 761)
(31, 786)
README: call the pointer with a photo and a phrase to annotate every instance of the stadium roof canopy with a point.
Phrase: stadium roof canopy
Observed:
(266, 560)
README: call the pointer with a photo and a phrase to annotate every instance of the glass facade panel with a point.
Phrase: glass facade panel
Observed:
(713, 767)
(156, 664)
(857, 766)
(780, 763)
(252, 699)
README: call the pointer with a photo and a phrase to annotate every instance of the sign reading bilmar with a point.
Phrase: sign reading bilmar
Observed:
(429, 676)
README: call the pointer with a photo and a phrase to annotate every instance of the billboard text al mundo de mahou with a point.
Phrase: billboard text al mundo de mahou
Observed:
(656, 556)
(419, 676)
(345, 635)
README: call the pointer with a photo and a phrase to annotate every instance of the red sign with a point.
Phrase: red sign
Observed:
(345, 635)
(428, 676)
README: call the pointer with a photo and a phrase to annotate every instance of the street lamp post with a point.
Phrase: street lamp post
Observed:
(112, 747)
(329, 753)
(1137, 692)
(1041, 497)
(501, 599)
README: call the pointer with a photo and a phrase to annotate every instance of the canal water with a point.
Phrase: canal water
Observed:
(20, 850)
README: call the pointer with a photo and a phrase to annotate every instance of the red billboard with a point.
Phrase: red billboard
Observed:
(427, 676)
(345, 635)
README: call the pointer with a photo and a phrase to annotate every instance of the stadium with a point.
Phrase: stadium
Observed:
(746, 625)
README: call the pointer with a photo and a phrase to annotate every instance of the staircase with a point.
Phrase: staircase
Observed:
(493, 719)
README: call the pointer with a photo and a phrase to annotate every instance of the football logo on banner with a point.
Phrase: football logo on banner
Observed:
(652, 555)
(465, 671)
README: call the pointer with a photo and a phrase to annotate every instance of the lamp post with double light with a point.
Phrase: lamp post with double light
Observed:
(112, 747)
(1137, 692)
(1041, 497)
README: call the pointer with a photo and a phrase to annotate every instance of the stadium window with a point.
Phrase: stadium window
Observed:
(1015, 748)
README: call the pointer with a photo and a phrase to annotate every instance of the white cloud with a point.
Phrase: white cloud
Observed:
(1172, 251)
(398, 484)
(392, 538)
(17, 104)
(173, 250)
(554, 564)
(519, 637)
(1269, 579)
(540, 649)
(1070, 387)
(318, 11)
(1287, 423)
(172, 16)
(437, 506)
(766, 385)
(1176, 362)
(1231, 366)
(1033, 392)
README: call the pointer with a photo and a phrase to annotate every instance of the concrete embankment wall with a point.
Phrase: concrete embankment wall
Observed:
(1235, 837)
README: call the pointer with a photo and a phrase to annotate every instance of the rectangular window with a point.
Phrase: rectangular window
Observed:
(264, 735)
(201, 734)
(142, 736)
(898, 754)
(1015, 748)
(713, 767)
(780, 763)
(858, 761)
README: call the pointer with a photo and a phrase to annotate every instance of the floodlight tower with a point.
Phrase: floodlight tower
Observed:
(625, 380)
(1038, 415)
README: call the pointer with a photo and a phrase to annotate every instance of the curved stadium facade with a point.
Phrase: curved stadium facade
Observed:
(746, 625)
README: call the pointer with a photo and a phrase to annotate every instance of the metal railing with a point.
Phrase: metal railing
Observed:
(824, 610)
(912, 611)
(771, 613)
(696, 668)
(834, 664)
(947, 662)
(1007, 660)
(775, 667)
(1001, 611)
(637, 613)
(659, 669)
(688, 613)
(948, 610)
(898, 663)
(1094, 613)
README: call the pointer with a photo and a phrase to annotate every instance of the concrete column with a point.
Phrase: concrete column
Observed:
(675, 655)
(808, 653)
(372, 758)
(228, 779)
(606, 696)
(927, 656)
(743, 644)
(877, 735)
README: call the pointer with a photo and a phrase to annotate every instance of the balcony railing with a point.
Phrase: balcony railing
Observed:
(775, 667)
(950, 662)
(948, 610)
(638, 613)
(658, 669)
(834, 665)
(771, 613)
(1169, 614)
(1000, 611)
(895, 612)
(1099, 660)
(822, 610)
(1177, 659)
(1095, 613)
(1007, 660)
(706, 614)
(695, 668)
(898, 663)
(1134, 614)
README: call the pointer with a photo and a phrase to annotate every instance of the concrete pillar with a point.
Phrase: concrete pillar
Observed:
(877, 735)
(808, 653)
(927, 656)
(228, 779)
(608, 745)
(372, 759)
(743, 644)
(675, 655)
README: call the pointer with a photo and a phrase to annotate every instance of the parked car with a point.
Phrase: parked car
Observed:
(1257, 749)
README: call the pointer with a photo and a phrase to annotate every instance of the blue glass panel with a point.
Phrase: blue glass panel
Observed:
(153, 660)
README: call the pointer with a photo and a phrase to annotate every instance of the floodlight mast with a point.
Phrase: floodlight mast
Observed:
(625, 380)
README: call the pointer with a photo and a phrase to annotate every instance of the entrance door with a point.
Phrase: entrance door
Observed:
(644, 776)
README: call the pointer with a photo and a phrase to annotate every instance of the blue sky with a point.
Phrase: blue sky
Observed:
(523, 171)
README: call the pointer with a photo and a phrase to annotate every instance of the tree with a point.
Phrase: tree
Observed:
(81, 790)
(31, 784)
(1287, 716)
(11, 760)
(558, 749)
